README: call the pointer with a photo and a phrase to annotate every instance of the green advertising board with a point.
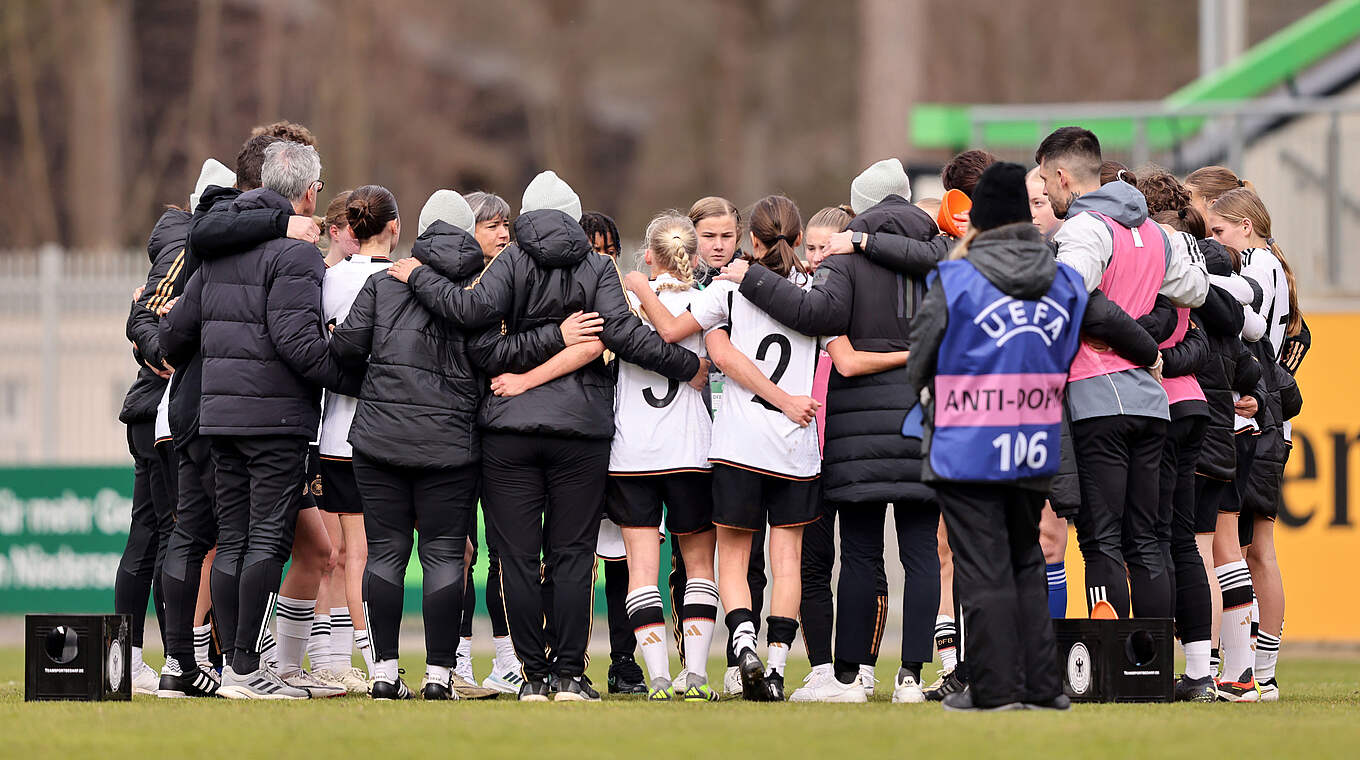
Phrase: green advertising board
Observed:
(63, 529)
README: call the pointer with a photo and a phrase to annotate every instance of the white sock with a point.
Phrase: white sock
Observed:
(137, 658)
(437, 674)
(361, 639)
(465, 654)
(700, 613)
(1197, 659)
(778, 658)
(505, 652)
(1235, 633)
(342, 640)
(294, 627)
(171, 667)
(946, 641)
(319, 643)
(202, 642)
(649, 627)
(744, 637)
(1267, 653)
(385, 670)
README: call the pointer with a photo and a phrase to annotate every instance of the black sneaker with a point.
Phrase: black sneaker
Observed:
(434, 690)
(1060, 702)
(947, 683)
(385, 690)
(534, 690)
(962, 701)
(576, 689)
(774, 687)
(625, 676)
(752, 676)
(1196, 689)
(199, 683)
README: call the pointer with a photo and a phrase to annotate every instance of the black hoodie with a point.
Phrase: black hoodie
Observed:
(164, 281)
(541, 279)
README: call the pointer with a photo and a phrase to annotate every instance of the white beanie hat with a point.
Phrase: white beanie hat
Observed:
(446, 206)
(547, 190)
(213, 173)
(881, 179)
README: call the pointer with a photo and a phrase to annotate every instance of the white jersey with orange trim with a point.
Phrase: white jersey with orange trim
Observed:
(660, 425)
(749, 432)
(341, 286)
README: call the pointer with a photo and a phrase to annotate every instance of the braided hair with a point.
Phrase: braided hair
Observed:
(595, 223)
(672, 240)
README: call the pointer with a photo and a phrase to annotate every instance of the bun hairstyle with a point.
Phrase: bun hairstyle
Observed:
(832, 217)
(1211, 182)
(1187, 219)
(776, 223)
(672, 240)
(368, 211)
(1243, 203)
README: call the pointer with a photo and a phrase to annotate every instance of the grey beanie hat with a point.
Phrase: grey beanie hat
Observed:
(446, 206)
(212, 173)
(881, 179)
(547, 190)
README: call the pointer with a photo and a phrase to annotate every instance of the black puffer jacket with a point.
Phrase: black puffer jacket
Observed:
(546, 275)
(165, 248)
(263, 340)
(1229, 368)
(420, 395)
(865, 457)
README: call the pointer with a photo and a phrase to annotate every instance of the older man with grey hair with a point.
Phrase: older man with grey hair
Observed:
(265, 361)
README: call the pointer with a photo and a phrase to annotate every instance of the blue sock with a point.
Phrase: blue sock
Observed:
(1057, 590)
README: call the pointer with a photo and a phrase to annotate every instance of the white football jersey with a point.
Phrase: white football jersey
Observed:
(338, 291)
(748, 432)
(660, 425)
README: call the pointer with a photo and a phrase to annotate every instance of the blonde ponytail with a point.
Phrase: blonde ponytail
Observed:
(1243, 203)
(673, 242)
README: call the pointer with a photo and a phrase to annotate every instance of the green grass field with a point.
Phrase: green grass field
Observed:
(1319, 718)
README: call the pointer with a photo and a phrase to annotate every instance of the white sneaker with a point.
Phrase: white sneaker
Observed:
(353, 679)
(505, 677)
(260, 684)
(867, 679)
(315, 687)
(464, 666)
(145, 680)
(906, 690)
(821, 685)
(732, 682)
(1269, 689)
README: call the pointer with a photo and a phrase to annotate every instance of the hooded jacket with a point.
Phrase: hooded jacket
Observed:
(536, 282)
(165, 249)
(420, 394)
(262, 336)
(865, 458)
(1020, 264)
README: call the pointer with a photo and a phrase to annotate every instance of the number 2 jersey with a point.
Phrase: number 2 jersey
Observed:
(748, 432)
(660, 425)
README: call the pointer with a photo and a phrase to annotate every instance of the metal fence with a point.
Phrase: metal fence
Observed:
(65, 363)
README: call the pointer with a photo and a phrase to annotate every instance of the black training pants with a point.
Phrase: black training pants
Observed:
(543, 497)
(259, 492)
(1003, 591)
(1176, 528)
(138, 579)
(1119, 468)
(862, 594)
(440, 501)
(193, 536)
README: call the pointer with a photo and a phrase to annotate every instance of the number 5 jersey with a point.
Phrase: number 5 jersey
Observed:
(660, 425)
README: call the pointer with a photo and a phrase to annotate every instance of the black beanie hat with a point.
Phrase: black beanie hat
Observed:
(1000, 197)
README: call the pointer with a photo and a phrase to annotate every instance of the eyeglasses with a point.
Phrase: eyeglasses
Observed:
(320, 184)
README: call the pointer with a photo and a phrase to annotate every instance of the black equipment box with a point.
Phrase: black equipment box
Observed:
(1117, 660)
(77, 657)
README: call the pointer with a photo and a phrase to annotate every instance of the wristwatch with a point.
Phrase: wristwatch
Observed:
(857, 240)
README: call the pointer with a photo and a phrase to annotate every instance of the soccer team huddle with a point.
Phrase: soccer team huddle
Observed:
(1069, 341)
